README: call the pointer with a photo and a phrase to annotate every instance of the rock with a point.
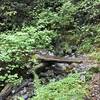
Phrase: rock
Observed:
(82, 78)
(25, 97)
(1, 98)
(50, 73)
(66, 56)
(43, 52)
(61, 66)
(69, 53)
(50, 53)
(43, 74)
(24, 90)
(1, 70)
(73, 55)
(13, 91)
(74, 64)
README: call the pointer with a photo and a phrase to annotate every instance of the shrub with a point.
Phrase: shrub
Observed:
(16, 48)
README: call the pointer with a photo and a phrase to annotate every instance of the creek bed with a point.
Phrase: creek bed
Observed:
(51, 72)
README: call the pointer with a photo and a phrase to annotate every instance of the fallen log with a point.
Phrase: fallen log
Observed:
(47, 58)
(5, 92)
(24, 84)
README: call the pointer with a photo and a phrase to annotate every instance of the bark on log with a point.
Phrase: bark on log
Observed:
(5, 92)
(47, 58)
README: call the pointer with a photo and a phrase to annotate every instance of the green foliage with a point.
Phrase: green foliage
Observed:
(15, 14)
(18, 47)
(13, 79)
(2, 78)
(86, 46)
(95, 56)
(57, 20)
(66, 89)
(91, 72)
(7, 15)
(14, 45)
(95, 70)
(74, 21)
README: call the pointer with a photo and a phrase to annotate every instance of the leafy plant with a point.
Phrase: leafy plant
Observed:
(16, 48)
(67, 89)
(95, 56)
(13, 79)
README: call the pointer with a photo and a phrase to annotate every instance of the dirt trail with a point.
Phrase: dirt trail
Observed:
(95, 87)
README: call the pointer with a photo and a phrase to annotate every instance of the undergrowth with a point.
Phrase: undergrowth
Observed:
(70, 88)
(17, 48)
